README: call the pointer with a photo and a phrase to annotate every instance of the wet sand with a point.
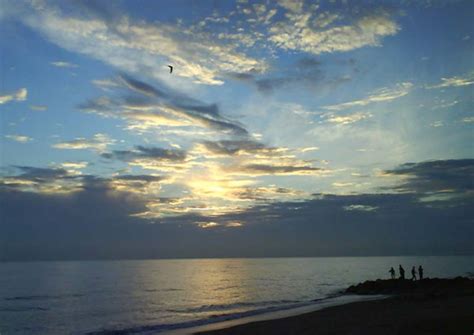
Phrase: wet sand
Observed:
(435, 312)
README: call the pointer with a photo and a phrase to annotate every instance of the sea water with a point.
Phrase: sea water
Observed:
(153, 296)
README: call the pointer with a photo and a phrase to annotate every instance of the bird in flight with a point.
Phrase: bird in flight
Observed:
(171, 68)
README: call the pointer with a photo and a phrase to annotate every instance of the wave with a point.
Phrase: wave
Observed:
(264, 307)
(22, 309)
(223, 307)
(42, 297)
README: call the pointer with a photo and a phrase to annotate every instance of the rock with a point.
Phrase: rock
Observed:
(428, 286)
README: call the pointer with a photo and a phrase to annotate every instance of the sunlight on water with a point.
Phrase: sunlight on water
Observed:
(155, 295)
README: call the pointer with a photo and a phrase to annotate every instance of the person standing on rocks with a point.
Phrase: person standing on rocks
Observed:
(392, 272)
(420, 272)
(402, 271)
(413, 273)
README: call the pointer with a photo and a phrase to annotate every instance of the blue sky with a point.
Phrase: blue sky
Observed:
(270, 103)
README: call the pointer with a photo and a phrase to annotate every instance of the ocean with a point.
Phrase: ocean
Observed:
(157, 296)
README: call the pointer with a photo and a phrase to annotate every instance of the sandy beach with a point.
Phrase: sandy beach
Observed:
(390, 316)
(434, 312)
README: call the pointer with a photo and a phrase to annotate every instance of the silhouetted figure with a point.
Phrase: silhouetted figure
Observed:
(171, 68)
(413, 273)
(402, 271)
(420, 272)
(392, 272)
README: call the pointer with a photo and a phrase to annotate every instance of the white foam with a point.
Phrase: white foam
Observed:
(317, 305)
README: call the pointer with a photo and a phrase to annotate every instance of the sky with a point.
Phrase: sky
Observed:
(286, 128)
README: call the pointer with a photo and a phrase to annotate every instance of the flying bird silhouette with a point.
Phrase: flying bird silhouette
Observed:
(171, 68)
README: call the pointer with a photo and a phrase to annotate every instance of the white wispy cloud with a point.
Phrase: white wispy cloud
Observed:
(302, 32)
(19, 95)
(456, 81)
(64, 64)
(142, 47)
(437, 124)
(361, 208)
(98, 142)
(295, 6)
(348, 119)
(19, 138)
(309, 149)
(339, 184)
(74, 165)
(382, 95)
(38, 107)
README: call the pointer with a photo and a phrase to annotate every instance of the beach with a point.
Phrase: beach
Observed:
(201, 295)
(436, 312)
(389, 316)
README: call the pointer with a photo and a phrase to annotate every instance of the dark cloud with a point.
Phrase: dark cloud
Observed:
(229, 147)
(263, 193)
(141, 97)
(141, 87)
(27, 176)
(40, 174)
(146, 178)
(306, 63)
(307, 72)
(32, 179)
(141, 152)
(276, 169)
(432, 176)
(221, 124)
(98, 222)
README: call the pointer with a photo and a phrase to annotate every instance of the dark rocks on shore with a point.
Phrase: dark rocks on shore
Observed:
(427, 287)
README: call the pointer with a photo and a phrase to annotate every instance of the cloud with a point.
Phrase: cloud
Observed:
(38, 107)
(73, 167)
(66, 180)
(98, 142)
(40, 180)
(307, 149)
(270, 193)
(339, 184)
(141, 152)
(382, 95)
(19, 95)
(301, 32)
(64, 64)
(437, 124)
(141, 87)
(305, 73)
(138, 46)
(361, 208)
(438, 180)
(347, 119)
(19, 138)
(66, 207)
(207, 225)
(145, 106)
(315, 227)
(268, 169)
(238, 147)
(295, 6)
(454, 82)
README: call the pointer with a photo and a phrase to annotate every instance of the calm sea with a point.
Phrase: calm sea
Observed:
(152, 296)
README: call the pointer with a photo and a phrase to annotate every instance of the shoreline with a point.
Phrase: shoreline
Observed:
(321, 304)
(431, 306)
(387, 316)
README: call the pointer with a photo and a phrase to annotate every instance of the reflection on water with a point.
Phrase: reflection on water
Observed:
(80, 297)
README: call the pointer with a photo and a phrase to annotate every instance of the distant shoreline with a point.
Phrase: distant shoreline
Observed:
(432, 306)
